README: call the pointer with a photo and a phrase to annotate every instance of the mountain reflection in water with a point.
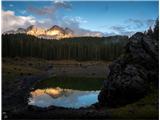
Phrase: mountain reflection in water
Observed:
(67, 98)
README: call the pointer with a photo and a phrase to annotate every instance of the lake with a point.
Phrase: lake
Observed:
(68, 92)
(67, 98)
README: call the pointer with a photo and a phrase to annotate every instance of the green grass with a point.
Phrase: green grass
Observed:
(20, 67)
(77, 83)
(19, 70)
(146, 107)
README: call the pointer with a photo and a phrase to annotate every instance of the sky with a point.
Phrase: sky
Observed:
(84, 17)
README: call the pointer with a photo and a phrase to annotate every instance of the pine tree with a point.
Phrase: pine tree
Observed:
(150, 32)
(156, 30)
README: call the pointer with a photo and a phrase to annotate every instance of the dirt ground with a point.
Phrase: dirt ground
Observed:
(31, 66)
(78, 69)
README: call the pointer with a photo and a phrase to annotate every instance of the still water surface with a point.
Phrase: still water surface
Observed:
(67, 98)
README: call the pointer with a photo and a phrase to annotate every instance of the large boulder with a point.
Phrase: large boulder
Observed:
(129, 76)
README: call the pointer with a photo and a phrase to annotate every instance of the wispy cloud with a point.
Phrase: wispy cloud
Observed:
(74, 19)
(23, 11)
(63, 21)
(11, 5)
(74, 24)
(118, 28)
(12, 22)
(129, 27)
(137, 23)
(122, 30)
(49, 10)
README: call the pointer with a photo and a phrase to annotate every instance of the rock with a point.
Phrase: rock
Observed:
(130, 75)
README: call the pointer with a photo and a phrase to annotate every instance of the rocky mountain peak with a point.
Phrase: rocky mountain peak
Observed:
(31, 27)
(55, 32)
(33, 30)
(21, 30)
(55, 27)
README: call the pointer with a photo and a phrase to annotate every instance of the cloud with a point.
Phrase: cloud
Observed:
(11, 22)
(41, 11)
(45, 23)
(23, 11)
(11, 5)
(49, 10)
(122, 30)
(85, 32)
(63, 21)
(118, 28)
(72, 21)
(62, 4)
(79, 19)
(137, 23)
(150, 22)
(109, 34)
(74, 24)
(130, 27)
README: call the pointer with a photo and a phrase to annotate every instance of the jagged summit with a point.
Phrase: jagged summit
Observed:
(21, 30)
(31, 27)
(33, 30)
(55, 32)
(55, 27)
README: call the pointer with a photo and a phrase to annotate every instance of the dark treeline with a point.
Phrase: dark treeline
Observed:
(80, 48)
(153, 33)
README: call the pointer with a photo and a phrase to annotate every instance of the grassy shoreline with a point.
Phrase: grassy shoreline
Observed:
(76, 83)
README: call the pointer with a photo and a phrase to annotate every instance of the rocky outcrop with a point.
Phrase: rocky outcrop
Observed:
(129, 76)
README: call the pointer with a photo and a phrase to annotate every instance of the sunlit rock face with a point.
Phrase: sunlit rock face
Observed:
(55, 32)
(33, 30)
(59, 97)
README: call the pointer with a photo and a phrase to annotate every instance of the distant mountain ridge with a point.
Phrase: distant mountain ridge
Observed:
(55, 32)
